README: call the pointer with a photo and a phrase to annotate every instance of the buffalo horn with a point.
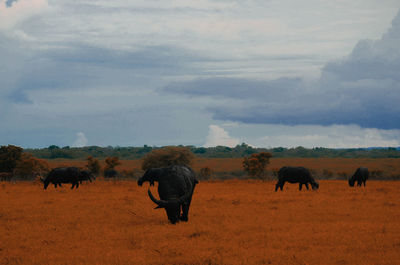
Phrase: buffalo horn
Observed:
(160, 203)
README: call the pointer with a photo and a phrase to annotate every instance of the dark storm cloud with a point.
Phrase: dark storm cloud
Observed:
(361, 89)
(237, 88)
(81, 66)
(369, 103)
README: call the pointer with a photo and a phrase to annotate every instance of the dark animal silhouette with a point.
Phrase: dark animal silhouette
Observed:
(299, 175)
(86, 175)
(64, 175)
(361, 176)
(5, 176)
(175, 187)
(111, 173)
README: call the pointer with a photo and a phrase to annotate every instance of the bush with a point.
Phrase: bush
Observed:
(9, 157)
(256, 164)
(93, 165)
(274, 173)
(168, 156)
(111, 162)
(29, 167)
(205, 173)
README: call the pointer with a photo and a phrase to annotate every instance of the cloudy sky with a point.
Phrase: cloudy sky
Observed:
(270, 73)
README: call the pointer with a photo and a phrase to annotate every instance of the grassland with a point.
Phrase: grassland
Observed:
(231, 222)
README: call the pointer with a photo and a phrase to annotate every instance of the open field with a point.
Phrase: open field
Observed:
(231, 222)
(390, 167)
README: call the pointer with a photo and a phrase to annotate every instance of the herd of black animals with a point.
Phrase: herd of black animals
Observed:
(176, 184)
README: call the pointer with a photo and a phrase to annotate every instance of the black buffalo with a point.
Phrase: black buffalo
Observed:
(111, 173)
(71, 175)
(5, 176)
(85, 175)
(175, 187)
(299, 175)
(361, 176)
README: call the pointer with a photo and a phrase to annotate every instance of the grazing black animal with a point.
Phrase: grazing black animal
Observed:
(85, 175)
(175, 187)
(5, 176)
(361, 176)
(64, 175)
(299, 175)
(111, 173)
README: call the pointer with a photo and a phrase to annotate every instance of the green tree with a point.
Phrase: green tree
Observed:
(256, 164)
(168, 156)
(9, 157)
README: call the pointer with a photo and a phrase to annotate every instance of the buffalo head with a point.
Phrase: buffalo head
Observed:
(172, 207)
(86, 175)
(351, 182)
(150, 175)
(314, 185)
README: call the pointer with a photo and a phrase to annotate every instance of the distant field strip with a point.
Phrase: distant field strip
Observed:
(387, 167)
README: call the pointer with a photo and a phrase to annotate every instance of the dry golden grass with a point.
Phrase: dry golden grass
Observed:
(231, 222)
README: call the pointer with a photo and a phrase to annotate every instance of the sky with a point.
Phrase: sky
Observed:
(270, 73)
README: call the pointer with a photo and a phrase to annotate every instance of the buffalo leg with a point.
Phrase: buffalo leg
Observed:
(300, 186)
(185, 212)
(307, 186)
(364, 182)
(279, 185)
(185, 208)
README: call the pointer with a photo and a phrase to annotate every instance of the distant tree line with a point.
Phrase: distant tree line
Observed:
(238, 151)
(18, 164)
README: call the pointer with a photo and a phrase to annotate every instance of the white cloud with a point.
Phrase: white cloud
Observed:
(309, 136)
(80, 140)
(19, 11)
(218, 136)
(335, 136)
